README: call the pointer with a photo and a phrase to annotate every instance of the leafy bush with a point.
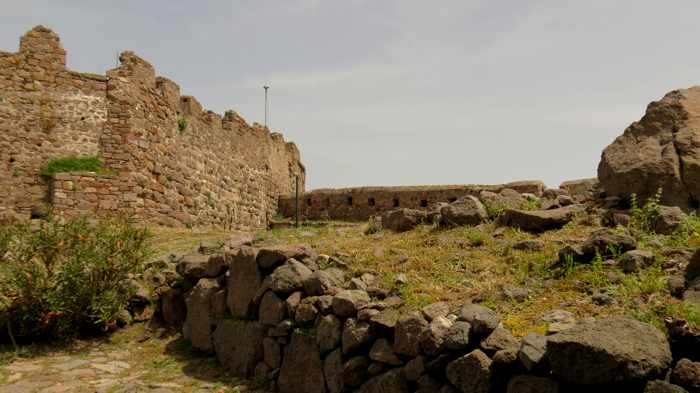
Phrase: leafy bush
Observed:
(642, 219)
(65, 278)
(71, 164)
(181, 124)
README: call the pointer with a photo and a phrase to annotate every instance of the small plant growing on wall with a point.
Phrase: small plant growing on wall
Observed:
(182, 124)
(72, 164)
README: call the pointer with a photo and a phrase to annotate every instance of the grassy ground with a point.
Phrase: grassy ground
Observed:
(167, 240)
(474, 263)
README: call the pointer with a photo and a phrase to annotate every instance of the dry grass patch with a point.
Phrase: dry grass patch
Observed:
(474, 263)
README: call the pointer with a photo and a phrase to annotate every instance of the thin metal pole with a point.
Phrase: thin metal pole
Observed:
(266, 105)
(296, 199)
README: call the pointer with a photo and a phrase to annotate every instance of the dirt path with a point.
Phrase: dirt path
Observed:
(119, 363)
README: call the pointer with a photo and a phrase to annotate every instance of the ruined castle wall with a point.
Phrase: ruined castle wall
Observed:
(168, 160)
(189, 166)
(363, 202)
(46, 111)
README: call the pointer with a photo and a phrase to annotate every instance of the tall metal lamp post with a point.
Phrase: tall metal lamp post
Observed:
(266, 87)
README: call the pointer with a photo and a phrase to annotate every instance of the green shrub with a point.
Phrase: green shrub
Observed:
(182, 124)
(71, 164)
(70, 277)
(642, 219)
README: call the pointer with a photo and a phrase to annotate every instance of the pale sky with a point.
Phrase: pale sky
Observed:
(403, 92)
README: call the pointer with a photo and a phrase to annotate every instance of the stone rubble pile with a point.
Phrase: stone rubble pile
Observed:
(302, 321)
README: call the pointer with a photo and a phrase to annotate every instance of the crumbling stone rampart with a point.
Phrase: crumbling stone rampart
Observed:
(167, 159)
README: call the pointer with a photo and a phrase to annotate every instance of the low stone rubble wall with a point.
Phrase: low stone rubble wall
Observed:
(302, 322)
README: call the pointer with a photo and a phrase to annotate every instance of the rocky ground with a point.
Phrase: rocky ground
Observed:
(119, 363)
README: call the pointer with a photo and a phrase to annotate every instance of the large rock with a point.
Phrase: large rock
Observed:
(483, 320)
(499, 339)
(659, 386)
(329, 332)
(432, 339)
(173, 307)
(532, 384)
(471, 373)
(200, 319)
(532, 350)
(195, 266)
(611, 350)
(687, 375)
(289, 277)
(239, 346)
(320, 281)
(355, 335)
(669, 219)
(382, 351)
(607, 243)
(393, 381)
(539, 220)
(692, 271)
(467, 210)
(408, 333)
(333, 371)
(272, 256)
(662, 150)
(401, 220)
(505, 199)
(272, 309)
(302, 368)
(243, 282)
(581, 189)
(347, 303)
(635, 260)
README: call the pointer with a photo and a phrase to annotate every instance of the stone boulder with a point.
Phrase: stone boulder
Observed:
(329, 332)
(200, 320)
(538, 221)
(347, 303)
(505, 199)
(692, 271)
(610, 350)
(607, 242)
(243, 282)
(173, 307)
(289, 277)
(302, 368)
(239, 346)
(662, 150)
(392, 381)
(321, 281)
(269, 257)
(669, 219)
(580, 190)
(471, 373)
(635, 260)
(408, 333)
(402, 220)
(464, 211)
(482, 320)
(687, 374)
(659, 386)
(195, 266)
(532, 384)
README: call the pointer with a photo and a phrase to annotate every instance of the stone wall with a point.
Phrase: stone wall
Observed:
(46, 111)
(363, 202)
(170, 161)
(271, 313)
